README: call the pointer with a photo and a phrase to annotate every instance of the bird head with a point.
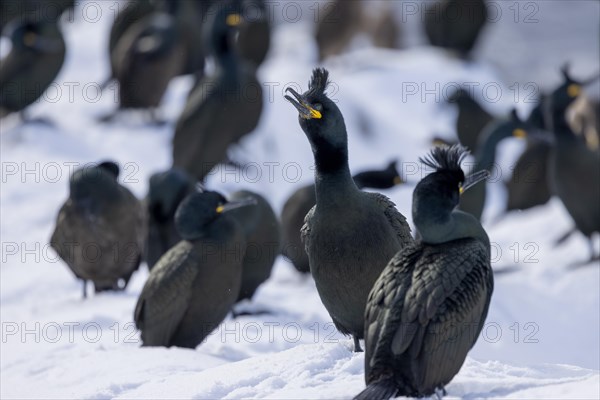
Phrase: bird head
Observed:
(442, 188)
(98, 181)
(319, 117)
(220, 28)
(167, 190)
(199, 210)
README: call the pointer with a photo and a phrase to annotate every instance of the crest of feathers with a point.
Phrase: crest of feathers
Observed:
(446, 158)
(318, 82)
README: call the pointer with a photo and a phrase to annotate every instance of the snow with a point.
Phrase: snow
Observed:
(541, 338)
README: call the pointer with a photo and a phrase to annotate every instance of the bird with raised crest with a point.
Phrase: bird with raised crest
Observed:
(349, 235)
(427, 308)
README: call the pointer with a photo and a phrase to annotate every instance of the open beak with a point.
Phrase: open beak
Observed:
(232, 205)
(305, 110)
(473, 180)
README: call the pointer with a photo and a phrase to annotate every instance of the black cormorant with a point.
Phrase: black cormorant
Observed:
(263, 240)
(455, 25)
(427, 308)
(34, 61)
(349, 235)
(99, 230)
(574, 168)
(223, 107)
(167, 190)
(302, 200)
(194, 285)
(147, 56)
(471, 120)
(473, 202)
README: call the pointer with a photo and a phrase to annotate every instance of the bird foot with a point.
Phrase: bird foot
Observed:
(439, 393)
(357, 348)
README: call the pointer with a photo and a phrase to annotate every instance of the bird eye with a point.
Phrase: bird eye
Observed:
(318, 106)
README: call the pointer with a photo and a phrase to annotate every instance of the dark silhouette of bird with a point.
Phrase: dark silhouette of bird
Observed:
(35, 59)
(302, 200)
(349, 235)
(194, 285)
(496, 131)
(167, 190)
(148, 55)
(223, 108)
(455, 25)
(254, 37)
(337, 23)
(471, 120)
(574, 168)
(32, 10)
(262, 232)
(100, 229)
(427, 308)
(385, 29)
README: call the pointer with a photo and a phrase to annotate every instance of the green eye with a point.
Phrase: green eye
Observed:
(318, 106)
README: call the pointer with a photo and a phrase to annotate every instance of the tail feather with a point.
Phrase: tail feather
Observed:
(383, 389)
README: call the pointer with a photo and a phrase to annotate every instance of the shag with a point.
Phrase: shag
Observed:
(427, 308)
(473, 202)
(455, 25)
(167, 191)
(262, 232)
(223, 107)
(303, 199)
(34, 61)
(471, 120)
(194, 285)
(147, 56)
(349, 235)
(574, 168)
(99, 230)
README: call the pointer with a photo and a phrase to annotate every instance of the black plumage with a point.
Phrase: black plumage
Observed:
(100, 229)
(339, 21)
(455, 25)
(147, 56)
(223, 107)
(167, 190)
(34, 61)
(473, 202)
(302, 200)
(574, 168)
(194, 285)
(254, 39)
(349, 235)
(262, 232)
(471, 120)
(427, 308)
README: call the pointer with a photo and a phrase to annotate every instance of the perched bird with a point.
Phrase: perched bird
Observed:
(223, 107)
(147, 56)
(262, 232)
(194, 285)
(302, 200)
(254, 37)
(167, 191)
(528, 185)
(496, 131)
(34, 61)
(100, 229)
(471, 120)
(574, 168)
(455, 25)
(349, 235)
(427, 308)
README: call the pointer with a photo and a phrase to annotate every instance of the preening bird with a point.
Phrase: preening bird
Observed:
(427, 308)
(349, 235)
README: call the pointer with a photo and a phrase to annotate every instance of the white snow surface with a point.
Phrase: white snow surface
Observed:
(541, 338)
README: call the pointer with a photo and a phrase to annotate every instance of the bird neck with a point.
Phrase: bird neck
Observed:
(334, 186)
(486, 151)
(561, 128)
(456, 225)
